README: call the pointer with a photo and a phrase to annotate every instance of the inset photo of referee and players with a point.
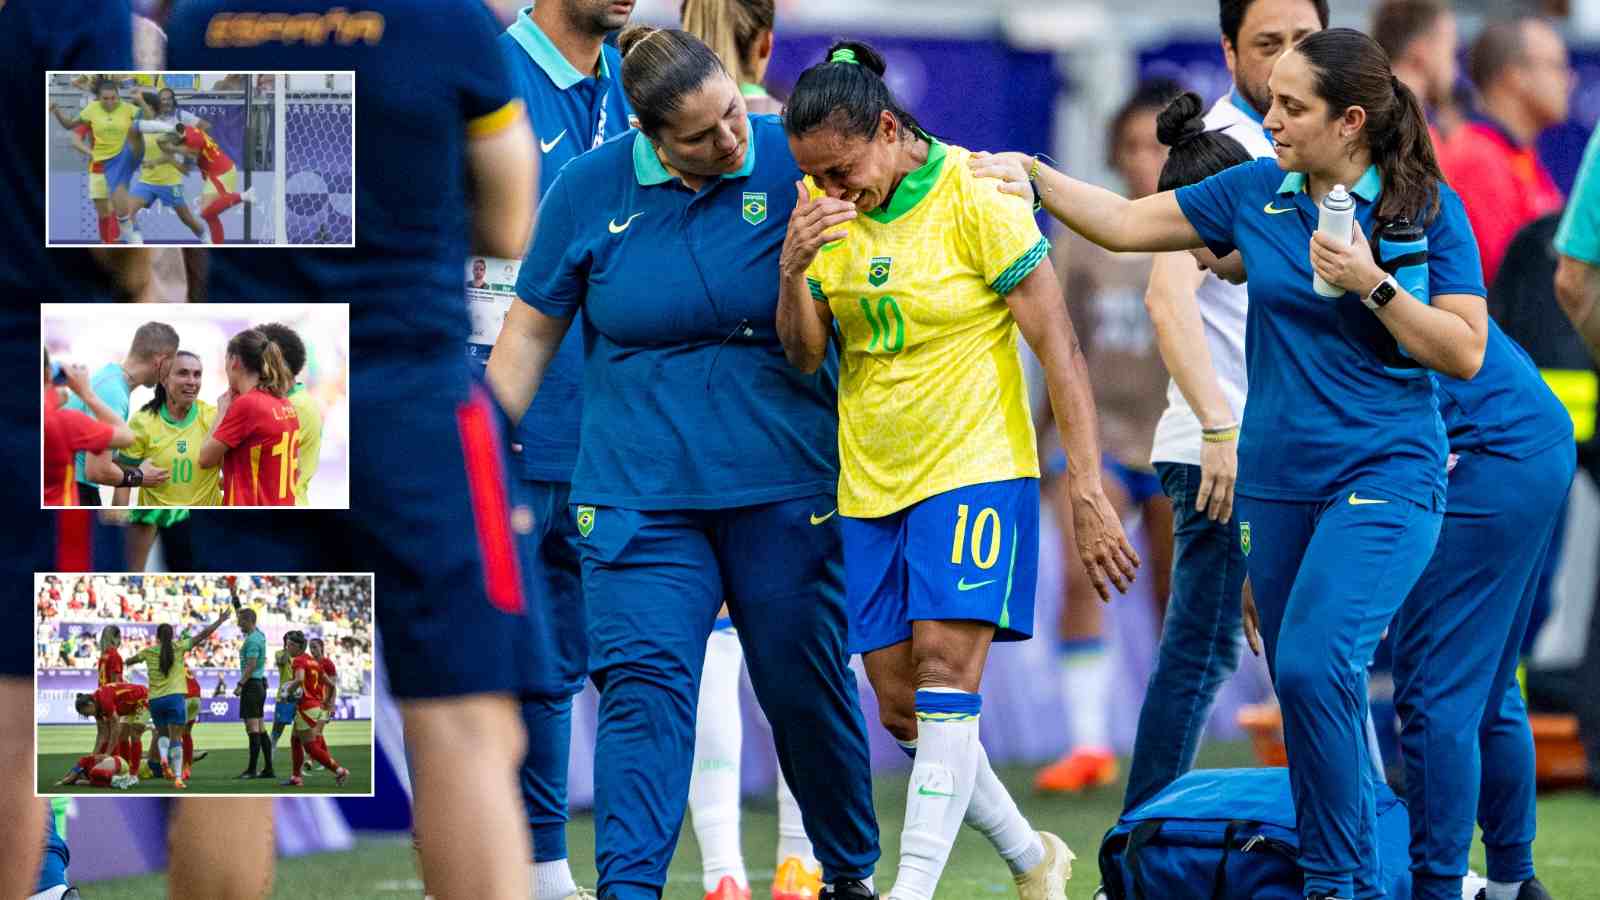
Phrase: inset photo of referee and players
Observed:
(214, 158)
(169, 407)
(142, 682)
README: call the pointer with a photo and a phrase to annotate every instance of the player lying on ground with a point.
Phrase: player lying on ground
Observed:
(101, 770)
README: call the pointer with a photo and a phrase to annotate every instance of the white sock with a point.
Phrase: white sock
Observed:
(1504, 890)
(162, 743)
(942, 779)
(175, 758)
(995, 815)
(792, 840)
(553, 880)
(714, 785)
(1083, 684)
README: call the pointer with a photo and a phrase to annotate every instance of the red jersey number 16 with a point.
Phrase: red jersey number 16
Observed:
(287, 447)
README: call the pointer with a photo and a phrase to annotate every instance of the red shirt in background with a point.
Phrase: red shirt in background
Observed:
(122, 698)
(263, 437)
(110, 666)
(1504, 186)
(66, 431)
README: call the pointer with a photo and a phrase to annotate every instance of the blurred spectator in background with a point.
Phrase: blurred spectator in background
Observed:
(1524, 79)
(1420, 38)
(1105, 295)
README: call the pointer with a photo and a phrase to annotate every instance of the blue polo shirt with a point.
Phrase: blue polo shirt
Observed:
(1326, 412)
(571, 114)
(688, 400)
(1506, 409)
(111, 386)
(428, 76)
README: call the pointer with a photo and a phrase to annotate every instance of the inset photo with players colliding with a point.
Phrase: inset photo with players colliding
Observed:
(203, 158)
(203, 684)
(162, 408)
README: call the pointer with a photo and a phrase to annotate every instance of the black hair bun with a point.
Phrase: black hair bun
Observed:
(1182, 121)
(869, 58)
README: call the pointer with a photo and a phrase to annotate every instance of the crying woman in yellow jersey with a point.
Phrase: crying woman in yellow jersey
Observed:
(928, 278)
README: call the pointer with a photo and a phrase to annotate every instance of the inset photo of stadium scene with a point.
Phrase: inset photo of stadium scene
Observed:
(162, 407)
(217, 158)
(203, 684)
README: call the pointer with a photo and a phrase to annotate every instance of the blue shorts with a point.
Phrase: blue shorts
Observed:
(547, 546)
(448, 590)
(170, 194)
(283, 712)
(971, 553)
(1140, 484)
(171, 710)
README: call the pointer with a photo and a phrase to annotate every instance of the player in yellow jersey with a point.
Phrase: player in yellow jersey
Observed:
(161, 174)
(169, 432)
(169, 690)
(112, 159)
(929, 278)
(305, 406)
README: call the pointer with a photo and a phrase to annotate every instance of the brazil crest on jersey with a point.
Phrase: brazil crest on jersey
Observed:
(931, 395)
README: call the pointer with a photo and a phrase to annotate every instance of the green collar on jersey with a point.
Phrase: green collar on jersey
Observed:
(914, 186)
(299, 387)
(194, 410)
(648, 169)
(531, 38)
(1367, 188)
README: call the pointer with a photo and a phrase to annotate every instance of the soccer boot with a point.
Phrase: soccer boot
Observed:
(1048, 879)
(341, 776)
(848, 889)
(794, 881)
(296, 781)
(178, 783)
(728, 889)
(1078, 771)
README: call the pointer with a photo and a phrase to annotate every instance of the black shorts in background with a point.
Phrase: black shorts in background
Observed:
(253, 699)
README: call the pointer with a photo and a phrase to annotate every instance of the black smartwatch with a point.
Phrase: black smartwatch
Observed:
(1382, 294)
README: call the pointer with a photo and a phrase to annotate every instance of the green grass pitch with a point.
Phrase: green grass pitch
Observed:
(350, 742)
(381, 868)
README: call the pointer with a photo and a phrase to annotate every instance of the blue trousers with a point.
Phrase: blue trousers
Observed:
(558, 654)
(1199, 640)
(654, 581)
(1327, 579)
(1463, 728)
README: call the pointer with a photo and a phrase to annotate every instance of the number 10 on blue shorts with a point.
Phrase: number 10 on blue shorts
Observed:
(970, 553)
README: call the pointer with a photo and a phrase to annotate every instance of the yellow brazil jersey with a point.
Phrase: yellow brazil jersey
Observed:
(176, 681)
(175, 445)
(285, 673)
(161, 173)
(931, 394)
(110, 127)
(310, 441)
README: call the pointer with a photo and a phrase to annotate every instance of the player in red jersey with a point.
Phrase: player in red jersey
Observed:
(311, 679)
(101, 770)
(330, 682)
(221, 177)
(109, 668)
(120, 710)
(257, 436)
(66, 431)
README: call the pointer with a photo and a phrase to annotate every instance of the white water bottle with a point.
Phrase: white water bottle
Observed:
(1336, 217)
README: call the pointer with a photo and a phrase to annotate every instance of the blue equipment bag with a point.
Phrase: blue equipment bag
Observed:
(1229, 834)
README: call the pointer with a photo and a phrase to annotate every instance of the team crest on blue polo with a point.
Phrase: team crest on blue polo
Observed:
(1244, 537)
(755, 207)
(183, 446)
(585, 520)
(878, 270)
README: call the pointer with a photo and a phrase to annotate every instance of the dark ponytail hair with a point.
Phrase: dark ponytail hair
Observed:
(1196, 153)
(848, 97)
(154, 404)
(1351, 69)
(262, 356)
(169, 653)
(660, 67)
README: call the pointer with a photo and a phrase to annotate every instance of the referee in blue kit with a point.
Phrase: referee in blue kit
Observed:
(707, 467)
(1342, 452)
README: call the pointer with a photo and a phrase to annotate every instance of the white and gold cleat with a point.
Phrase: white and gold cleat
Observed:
(1048, 880)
